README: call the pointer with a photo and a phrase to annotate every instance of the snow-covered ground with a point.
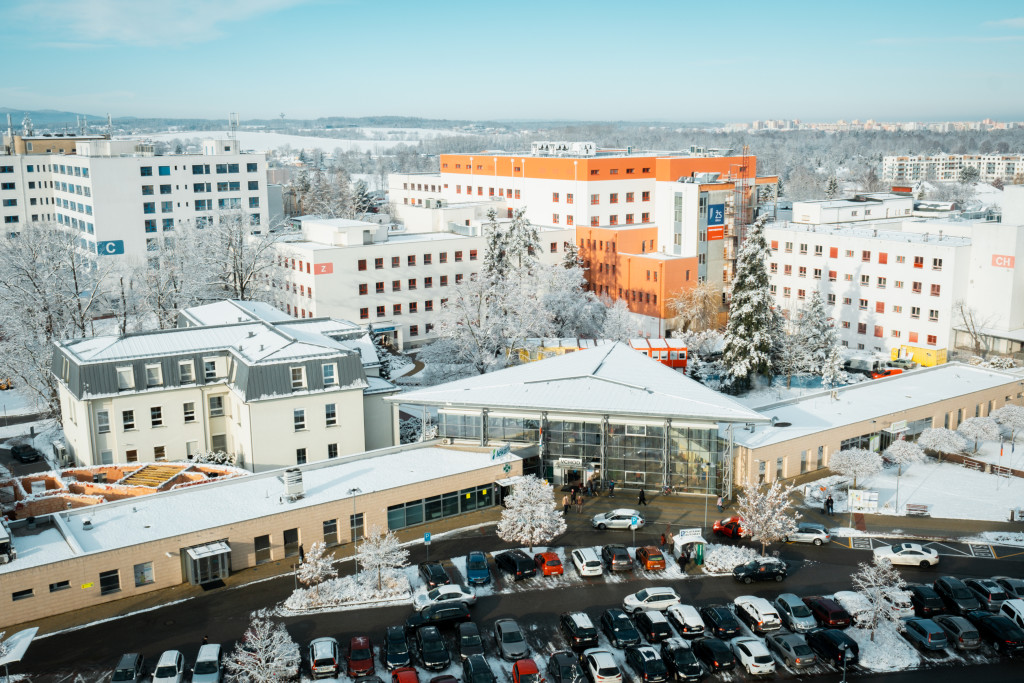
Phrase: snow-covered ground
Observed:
(262, 141)
(17, 401)
(1012, 453)
(722, 559)
(889, 651)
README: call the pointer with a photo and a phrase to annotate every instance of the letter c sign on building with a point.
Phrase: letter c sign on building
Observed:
(1001, 261)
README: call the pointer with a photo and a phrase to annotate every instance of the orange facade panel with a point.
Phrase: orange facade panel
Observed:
(549, 168)
(670, 169)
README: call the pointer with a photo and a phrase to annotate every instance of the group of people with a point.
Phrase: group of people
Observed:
(573, 500)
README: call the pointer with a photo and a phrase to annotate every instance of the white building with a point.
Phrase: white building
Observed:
(867, 207)
(237, 377)
(946, 167)
(389, 279)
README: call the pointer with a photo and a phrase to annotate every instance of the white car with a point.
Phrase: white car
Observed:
(899, 602)
(587, 562)
(618, 519)
(601, 666)
(686, 620)
(447, 594)
(856, 605)
(758, 613)
(170, 668)
(753, 655)
(654, 598)
(911, 554)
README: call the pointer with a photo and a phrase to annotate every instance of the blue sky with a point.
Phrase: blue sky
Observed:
(678, 61)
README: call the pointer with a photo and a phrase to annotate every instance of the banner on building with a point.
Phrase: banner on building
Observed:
(323, 268)
(716, 214)
(716, 234)
(110, 247)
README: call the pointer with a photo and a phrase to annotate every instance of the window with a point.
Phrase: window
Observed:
(444, 280)
(879, 332)
(613, 198)
(883, 257)
(846, 301)
(396, 261)
(60, 586)
(865, 280)
(789, 247)
(22, 594)
(396, 285)
(846, 324)
(897, 309)
(428, 305)
(363, 289)
(125, 378)
(154, 377)
(189, 410)
(879, 307)
(932, 340)
(156, 416)
(355, 526)
(554, 196)
(216, 406)
(299, 419)
(379, 288)
(378, 263)
(933, 315)
(595, 199)
(251, 167)
(332, 451)
(146, 171)
(298, 378)
(427, 259)
(895, 333)
(832, 275)
(185, 372)
(915, 312)
(362, 264)
(862, 328)
(300, 457)
(936, 264)
(364, 313)
(380, 312)
(147, 190)
(936, 289)
(143, 574)
(831, 299)
(646, 196)
(898, 284)
(413, 306)
(458, 256)
(919, 261)
(331, 414)
(210, 369)
(774, 267)
(803, 248)
(801, 294)
(128, 419)
(802, 271)
(817, 273)
(165, 189)
(103, 422)
(916, 287)
(786, 291)
(863, 304)
(443, 257)
(817, 250)
(330, 532)
(414, 330)
(881, 283)
(849, 253)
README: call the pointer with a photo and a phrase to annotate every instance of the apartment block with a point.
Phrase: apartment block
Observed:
(947, 167)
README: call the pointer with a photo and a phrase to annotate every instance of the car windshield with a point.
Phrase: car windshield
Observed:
(608, 671)
(554, 562)
(801, 650)
(751, 565)
(969, 635)
(763, 659)
(471, 639)
(801, 610)
(642, 595)
(124, 675)
(997, 595)
(593, 563)
(477, 562)
(360, 654)
(655, 557)
(511, 637)
(205, 668)
(165, 672)
(529, 678)
(323, 661)
(961, 593)
(655, 666)
(432, 645)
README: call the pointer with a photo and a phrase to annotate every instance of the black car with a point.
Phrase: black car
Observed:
(433, 653)
(958, 597)
(833, 645)
(24, 452)
(653, 625)
(564, 667)
(1002, 634)
(716, 655)
(517, 563)
(476, 670)
(616, 558)
(437, 615)
(681, 662)
(394, 652)
(579, 630)
(434, 575)
(619, 628)
(648, 664)
(130, 668)
(721, 621)
(761, 569)
(925, 601)
(468, 640)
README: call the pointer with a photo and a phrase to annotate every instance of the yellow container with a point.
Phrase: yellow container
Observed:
(925, 357)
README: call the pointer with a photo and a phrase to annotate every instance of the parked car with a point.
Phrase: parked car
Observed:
(476, 670)
(794, 613)
(833, 645)
(958, 598)
(653, 625)
(1013, 587)
(989, 593)
(827, 612)
(359, 659)
(619, 628)
(909, 554)
(655, 597)
(578, 629)
(686, 620)
(792, 649)
(324, 658)
(170, 668)
(433, 652)
(437, 615)
(618, 519)
(647, 663)
(600, 667)
(447, 594)
(716, 655)
(898, 601)
(564, 667)
(23, 452)
(924, 634)
(650, 557)
(405, 674)
(856, 605)
(753, 656)
(758, 614)
(477, 571)
(516, 563)
(680, 661)
(999, 631)
(130, 667)
(807, 532)
(207, 668)
(468, 640)
(925, 601)
(394, 652)
(720, 621)
(616, 558)
(960, 632)
(1013, 610)
(761, 569)
(434, 574)
(526, 671)
(730, 526)
(587, 562)
(549, 564)
(510, 640)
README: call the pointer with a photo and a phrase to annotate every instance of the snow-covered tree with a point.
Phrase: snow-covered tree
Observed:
(530, 516)
(522, 243)
(1011, 417)
(831, 187)
(816, 333)
(903, 453)
(213, 458)
(316, 568)
(749, 333)
(832, 372)
(239, 263)
(383, 355)
(767, 514)
(574, 311)
(178, 275)
(979, 429)
(495, 264)
(791, 357)
(571, 256)
(380, 552)
(697, 308)
(618, 321)
(941, 441)
(265, 654)
(857, 463)
(874, 581)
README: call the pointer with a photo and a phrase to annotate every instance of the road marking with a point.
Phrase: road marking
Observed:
(860, 543)
(979, 550)
(1002, 556)
(940, 547)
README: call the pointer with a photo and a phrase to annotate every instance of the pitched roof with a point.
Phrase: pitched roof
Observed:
(610, 379)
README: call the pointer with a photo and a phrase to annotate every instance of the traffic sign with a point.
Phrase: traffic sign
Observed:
(426, 538)
(634, 520)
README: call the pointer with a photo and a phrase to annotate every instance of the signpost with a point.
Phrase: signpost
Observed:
(633, 521)
(426, 542)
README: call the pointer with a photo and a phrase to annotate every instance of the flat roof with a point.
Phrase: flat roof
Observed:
(126, 523)
(870, 400)
(872, 233)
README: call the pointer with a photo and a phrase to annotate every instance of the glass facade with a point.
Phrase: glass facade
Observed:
(695, 459)
(519, 429)
(635, 455)
(447, 505)
(457, 426)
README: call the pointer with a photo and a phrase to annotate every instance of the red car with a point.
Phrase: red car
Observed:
(405, 674)
(548, 564)
(827, 612)
(526, 671)
(360, 657)
(730, 526)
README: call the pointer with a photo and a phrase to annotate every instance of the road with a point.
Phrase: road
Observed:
(222, 615)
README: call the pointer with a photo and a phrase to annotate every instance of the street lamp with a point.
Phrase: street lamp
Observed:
(845, 649)
(352, 526)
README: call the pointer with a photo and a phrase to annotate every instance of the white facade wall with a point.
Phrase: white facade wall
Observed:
(947, 167)
(845, 211)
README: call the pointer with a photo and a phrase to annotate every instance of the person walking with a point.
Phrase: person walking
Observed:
(642, 498)
(611, 488)
(565, 504)
(830, 506)
(721, 504)
(302, 553)
(662, 541)
(579, 503)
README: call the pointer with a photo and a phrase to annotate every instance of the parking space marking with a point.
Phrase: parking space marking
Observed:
(943, 549)
(861, 542)
(1000, 556)
(979, 550)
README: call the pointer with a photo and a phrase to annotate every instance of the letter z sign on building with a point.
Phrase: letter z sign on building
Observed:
(323, 268)
(716, 221)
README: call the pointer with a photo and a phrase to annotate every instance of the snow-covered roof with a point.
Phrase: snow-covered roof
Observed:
(870, 233)
(870, 400)
(233, 311)
(610, 379)
(217, 504)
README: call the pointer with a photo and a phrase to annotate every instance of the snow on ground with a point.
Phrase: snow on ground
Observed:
(997, 537)
(887, 652)
(401, 366)
(350, 592)
(722, 559)
(17, 401)
(263, 141)
(1012, 453)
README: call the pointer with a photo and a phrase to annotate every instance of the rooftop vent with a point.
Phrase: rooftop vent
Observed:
(86, 523)
(293, 489)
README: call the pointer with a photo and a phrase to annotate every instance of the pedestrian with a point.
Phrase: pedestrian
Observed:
(611, 488)
(590, 488)
(565, 504)
(642, 498)
(206, 640)
(579, 503)
(830, 505)
(721, 504)
(663, 540)
(302, 553)
(684, 557)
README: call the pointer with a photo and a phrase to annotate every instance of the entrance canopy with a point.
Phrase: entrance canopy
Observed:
(209, 550)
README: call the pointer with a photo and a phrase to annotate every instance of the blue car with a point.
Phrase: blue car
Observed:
(477, 571)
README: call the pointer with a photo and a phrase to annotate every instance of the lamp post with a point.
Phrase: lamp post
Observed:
(352, 526)
(845, 650)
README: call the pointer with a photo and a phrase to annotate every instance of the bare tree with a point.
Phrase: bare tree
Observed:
(856, 463)
(238, 263)
(973, 323)
(381, 552)
(530, 516)
(697, 308)
(265, 654)
(316, 568)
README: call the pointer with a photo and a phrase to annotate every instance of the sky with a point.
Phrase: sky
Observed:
(679, 60)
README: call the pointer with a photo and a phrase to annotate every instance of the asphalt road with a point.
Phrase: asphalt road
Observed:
(222, 615)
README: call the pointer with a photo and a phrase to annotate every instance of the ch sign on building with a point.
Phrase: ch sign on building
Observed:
(1001, 261)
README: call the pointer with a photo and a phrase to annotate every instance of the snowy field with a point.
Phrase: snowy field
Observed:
(265, 142)
(1012, 453)
(17, 401)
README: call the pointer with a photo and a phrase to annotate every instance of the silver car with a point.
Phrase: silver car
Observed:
(617, 519)
(792, 649)
(794, 613)
(989, 593)
(208, 668)
(810, 533)
(510, 640)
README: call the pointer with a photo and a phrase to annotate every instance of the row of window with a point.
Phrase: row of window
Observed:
(428, 259)
(110, 582)
(156, 415)
(396, 309)
(865, 280)
(411, 284)
(865, 255)
(862, 304)
(199, 169)
(78, 171)
(330, 417)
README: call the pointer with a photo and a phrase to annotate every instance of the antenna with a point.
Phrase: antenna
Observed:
(232, 125)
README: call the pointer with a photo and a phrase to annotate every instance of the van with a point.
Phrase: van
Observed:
(129, 668)
(208, 668)
(1014, 611)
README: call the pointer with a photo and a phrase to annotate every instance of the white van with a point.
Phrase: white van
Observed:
(1014, 611)
(208, 668)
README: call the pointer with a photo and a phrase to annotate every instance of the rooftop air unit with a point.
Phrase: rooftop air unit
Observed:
(293, 489)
